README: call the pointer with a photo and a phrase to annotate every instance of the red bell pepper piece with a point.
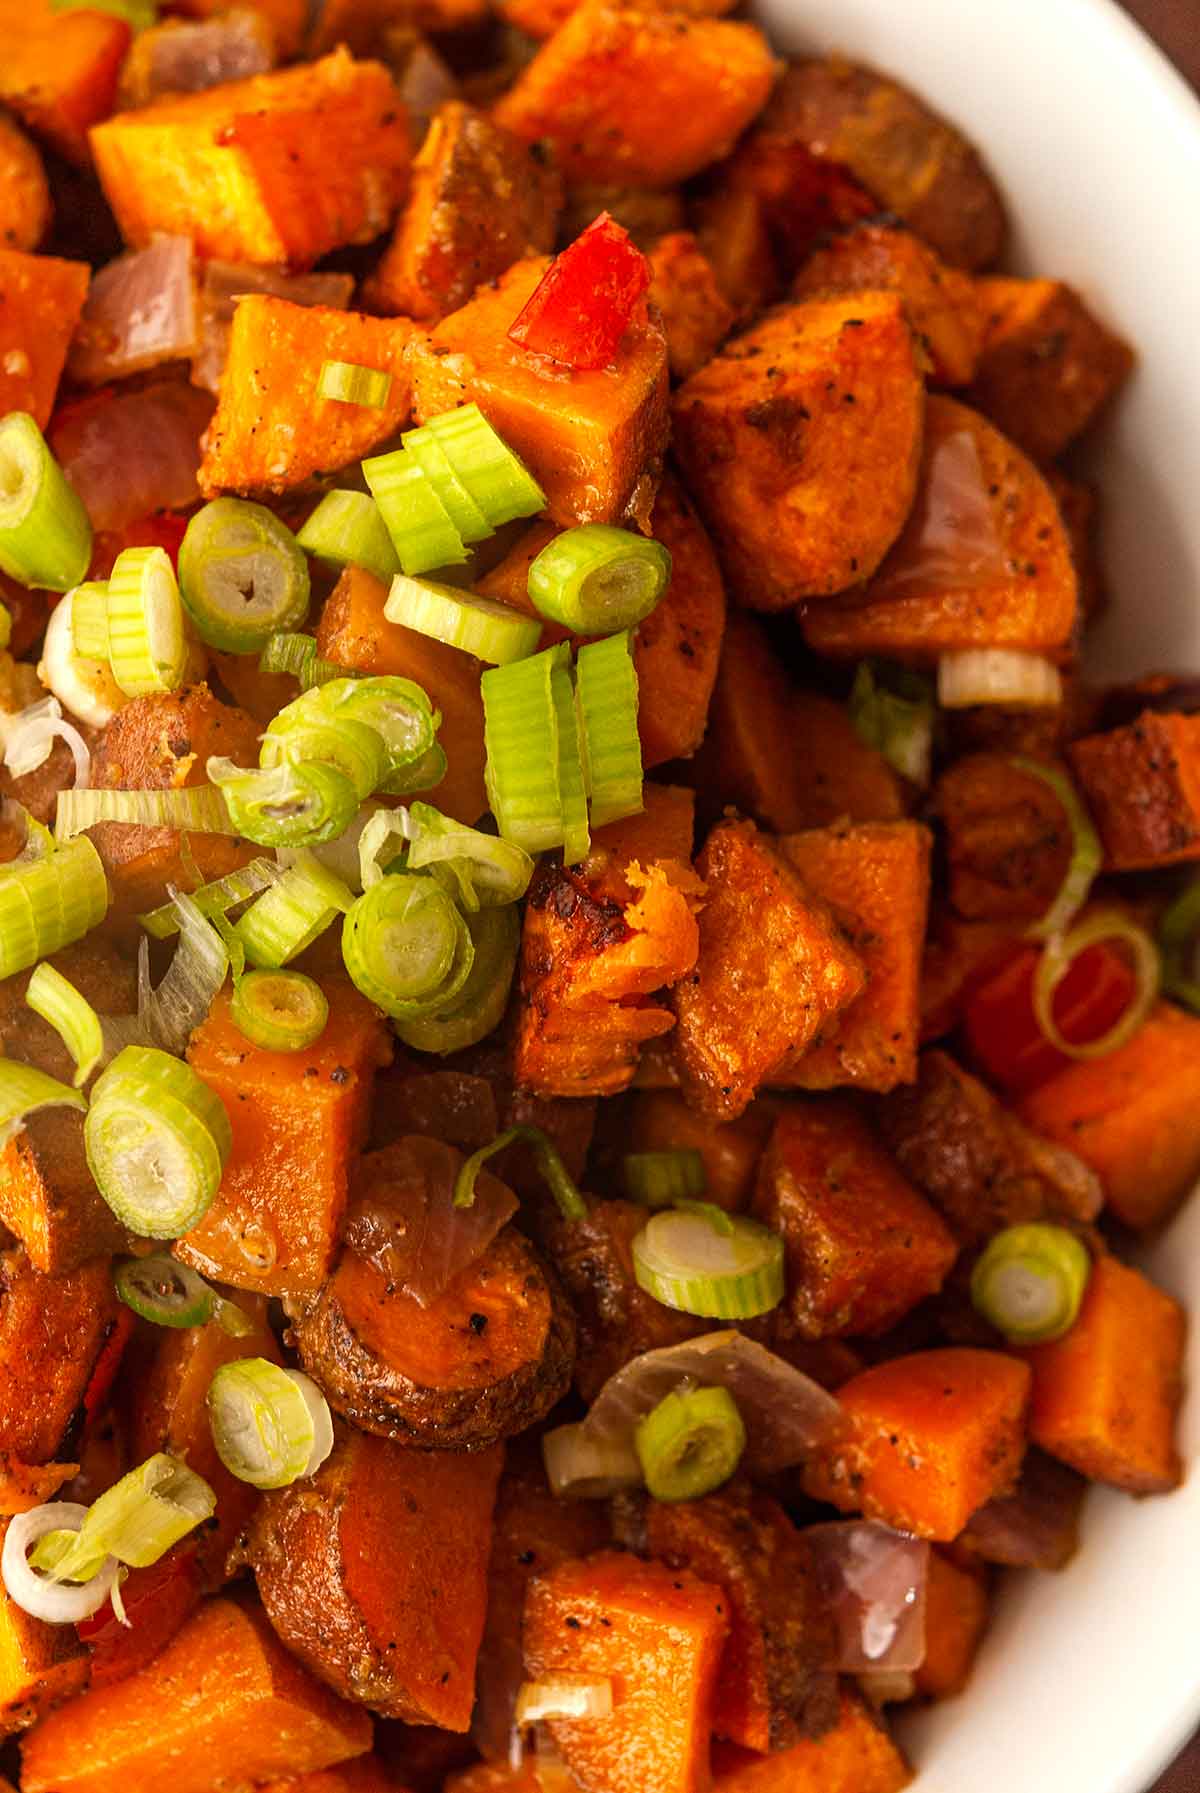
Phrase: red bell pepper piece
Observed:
(585, 302)
(104, 1370)
(157, 1600)
(1002, 1029)
(162, 529)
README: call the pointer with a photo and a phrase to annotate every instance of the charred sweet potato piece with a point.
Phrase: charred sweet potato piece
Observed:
(875, 879)
(863, 1247)
(732, 232)
(480, 201)
(59, 75)
(913, 162)
(24, 192)
(661, 1121)
(1048, 365)
(772, 970)
(956, 1615)
(617, 1320)
(1132, 1116)
(41, 299)
(663, 829)
(588, 965)
(647, 213)
(586, 92)
(857, 1756)
(1142, 785)
(1034, 1527)
(801, 443)
(272, 430)
(485, 1359)
(298, 1119)
(41, 1665)
(542, 18)
(975, 1161)
(1106, 1396)
(53, 1330)
(658, 1634)
(774, 1684)
(245, 169)
(1078, 504)
(1008, 839)
(366, 26)
(224, 1698)
(932, 1437)
(942, 302)
(365, 1774)
(696, 316)
(374, 1573)
(801, 198)
(587, 440)
(984, 559)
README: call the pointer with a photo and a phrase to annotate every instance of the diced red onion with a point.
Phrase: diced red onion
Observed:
(424, 82)
(873, 1580)
(950, 539)
(997, 676)
(140, 312)
(29, 736)
(130, 453)
(58, 1603)
(224, 284)
(191, 55)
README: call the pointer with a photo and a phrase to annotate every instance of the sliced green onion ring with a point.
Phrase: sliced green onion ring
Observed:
(435, 464)
(659, 1179)
(691, 1443)
(485, 872)
(497, 479)
(286, 919)
(41, 1597)
(147, 647)
(242, 574)
(349, 384)
(347, 530)
(1087, 855)
(406, 946)
(419, 524)
(282, 1011)
(1060, 953)
(1029, 1282)
(165, 1292)
(193, 809)
(48, 902)
(55, 998)
(685, 1262)
(286, 805)
(136, 1521)
(521, 737)
(892, 710)
(572, 778)
(297, 656)
(45, 535)
(270, 1426)
(23, 1090)
(559, 1180)
(307, 738)
(156, 1138)
(479, 1007)
(89, 619)
(493, 632)
(397, 709)
(216, 898)
(597, 579)
(1176, 938)
(606, 685)
(424, 775)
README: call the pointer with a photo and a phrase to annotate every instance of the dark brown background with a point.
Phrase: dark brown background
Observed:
(1176, 25)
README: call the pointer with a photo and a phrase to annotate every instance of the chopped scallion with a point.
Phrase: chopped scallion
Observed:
(147, 647)
(559, 1180)
(89, 619)
(164, 1291)
(1029, 1282)
(48, 902)
(687, 1263)
(493, 632)
(157, 1138)
(270, 1426)
(606, 685)
(347, 530)
(421, 528)
(406, 946)
(283, 806)
(1060, 953)
(242, 574)
(521, 736)
(55, 998)
(282, 1011)
(598, 579)
(216, 898)
(691, 1443)
(193, 809)
(1087, 855)
(427, 451)
(497, 479)
(659, 1179)
(23, 1090)
(45, 535)
(305, 734)
(572, 777)
(892, 710)
(297, 909)
(479, 1006)
(350, 384)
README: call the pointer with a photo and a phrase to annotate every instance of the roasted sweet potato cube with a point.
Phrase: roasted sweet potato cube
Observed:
(657, 1633)
(1048, 365)
(677, 647)
(48, 1196)
(542, 18)
(647, 213)
(773, 970)
(1008, 839)
(1142, 785)
(59, 74)
(374, 1573)
(1034, 1527)
(662, 1121)
(984, 559)
(24, 191)
(52, 1331)
(1106, 1396)
(775, 1684)
(1132, 1115)
(41, 298)
(246, 169)
(857, 1756)
(299, 1120)
(801, 443)
(956, 1615)
(41, 1665)
(695, 314)
(875, 879)
(932, 1437)
(664, 828)
(732, 232)
(913, 162)
(587, 89)
(223, 1699)
(862, 1246)
(480, 200)
(365, 1774)
(587, 440)
(942, 302)
(802, 198)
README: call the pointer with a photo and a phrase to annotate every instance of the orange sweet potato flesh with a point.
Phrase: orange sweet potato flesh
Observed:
(41, 1665)
(365, 1774)
(59, 74)
(1008, 839)
(163, 742)
(587, 440)
(1003, 576)
(856, 1757)
(1048, 364)
(772, 970)
(298, 1119)
(374, 1573)
(41, 298)
(695, 313)
(1131, 1116)
(245, 169)
(224, 1699)
(932, 1437)
(657, 1634)
(168, 1412)
(956, 1615)
(587, 92)
(24, 192)
(663, 829)
(661, 1121)
(272, 430)
(497, 1777)
(52, 1330)
(354, 632)
(732, 231)
(480, 201)
(1105, 1397)
(875, 879)
(801, 443)
(1142, 786)
(774, 1684)
(542, 18)
(862, 1246)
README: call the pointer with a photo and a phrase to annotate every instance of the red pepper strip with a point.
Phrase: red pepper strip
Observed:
(161, 529)
(157, 1600)
(585, 301)
(1002, 1030)
(104, 1370)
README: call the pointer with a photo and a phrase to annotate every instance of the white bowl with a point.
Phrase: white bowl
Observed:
(1089, 1680)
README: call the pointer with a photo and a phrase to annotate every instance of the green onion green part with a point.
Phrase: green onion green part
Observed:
(23, 1090)
(659, 1179)
(351, 384)
(282, 1011)
(479, 1007)
(193, 809)
(479, 870)
(217, 898)
(156, 1138)
(147, 647)
(283, 806)
(47, 903)
(89, 619)
(892, 710)
(270, 1426)
(242, 574)
(137, 1520)
(419, 524)
(406, 946)
(497, 479)
(493, 632)
(55, 998)
(559, 1180)
(1060, 953)
(1087, 855)
(572, 777)
(165, 1292)
(435, 464)
(347, 530)
(400, 713)
(688, 1263)
(297, 909)
(691, 1443)
(304, 734)
(521, 736)
(606, 688)
(45, 535)
(597, 579)
(1029, 1282)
